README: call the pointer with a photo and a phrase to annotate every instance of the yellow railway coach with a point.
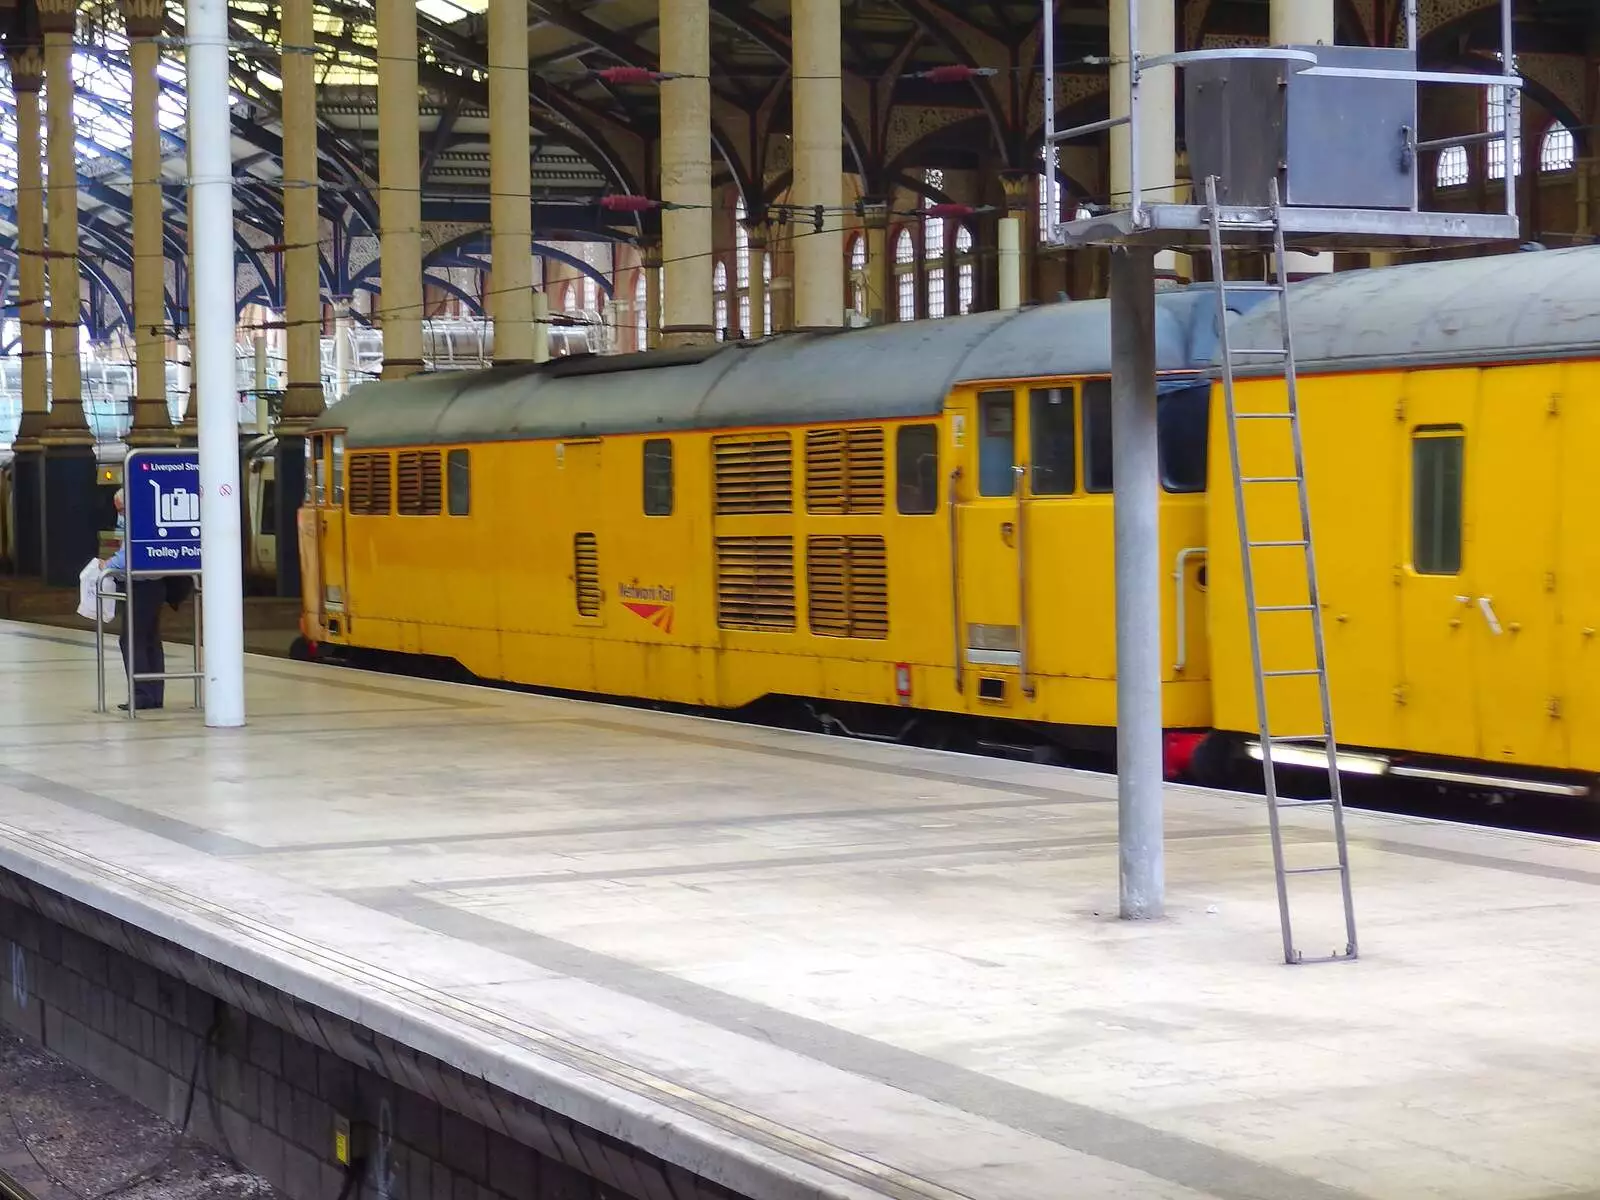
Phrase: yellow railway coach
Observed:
(890, 524)
(1448, 412)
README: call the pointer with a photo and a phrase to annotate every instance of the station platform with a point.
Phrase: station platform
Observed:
(800, 966)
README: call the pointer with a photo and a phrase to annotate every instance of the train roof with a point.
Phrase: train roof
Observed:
(1526, 307)
(885, 372)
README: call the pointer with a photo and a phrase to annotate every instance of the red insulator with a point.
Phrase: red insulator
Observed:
(936, 211)
(628, 75)
(628, 204)
(955, 73)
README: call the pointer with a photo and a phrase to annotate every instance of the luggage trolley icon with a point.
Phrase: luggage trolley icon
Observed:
(180, 506)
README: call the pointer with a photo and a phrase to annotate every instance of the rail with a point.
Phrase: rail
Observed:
(955, 580)
(1024, 680)
(1180, 608)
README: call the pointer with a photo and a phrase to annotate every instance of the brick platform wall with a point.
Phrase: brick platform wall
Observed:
(271, 1082)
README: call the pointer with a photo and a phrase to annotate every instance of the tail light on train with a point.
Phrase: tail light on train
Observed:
(1177, 752)
(902, 682)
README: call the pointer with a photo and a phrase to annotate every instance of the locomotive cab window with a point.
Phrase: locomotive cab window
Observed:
(458, 482)
(997, 444)
(658, 477)
(317, 476)
(1437, 467)
(1181, 432)
(337, 470)
(916, 454)
(1053, 425)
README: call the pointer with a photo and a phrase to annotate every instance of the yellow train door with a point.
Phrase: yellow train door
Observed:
(1516, 459)
(326, 469)
(989, 518)
(1434, 700)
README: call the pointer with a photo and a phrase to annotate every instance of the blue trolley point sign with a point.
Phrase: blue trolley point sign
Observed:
(161, 500)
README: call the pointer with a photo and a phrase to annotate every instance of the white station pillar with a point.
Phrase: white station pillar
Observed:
(211, 296)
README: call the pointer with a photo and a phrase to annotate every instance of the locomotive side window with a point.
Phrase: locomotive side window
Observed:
(1181, 429)
(1437, 461)
(458, 482)
(1054, 426)
(658, 477)
(1097, 436)
(317, 477)
(997, 444)
(338, 469)
(916, 454)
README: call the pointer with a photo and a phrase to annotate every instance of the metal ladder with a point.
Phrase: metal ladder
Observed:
(1252, 220)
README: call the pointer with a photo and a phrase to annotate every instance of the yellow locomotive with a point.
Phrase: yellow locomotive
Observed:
(907, 529)
(908, 517)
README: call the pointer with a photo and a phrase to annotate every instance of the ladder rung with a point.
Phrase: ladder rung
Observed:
(1261, 608)
(1233, 286)
(1264, 416)
(1312, 870)
(1275, 545)
(1288, 674)
(1272, 353)
(1304, 737)
(1305, 803)
(1269, 479)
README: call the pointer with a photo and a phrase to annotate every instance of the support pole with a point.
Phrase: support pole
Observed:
(1158, 112)
(1303, 23)
(1136, 492)
(510, 207)
(27, 74)
(70, 519)
(686, 172)
(152, 422)
(1010, 263)
(758, 281)
(399, 190)
(818, 163)
(303, 397)
(541, 327)
(651, 251)
(211, 189)
(875, 216)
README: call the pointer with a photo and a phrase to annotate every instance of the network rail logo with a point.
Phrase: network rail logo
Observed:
(655, 604)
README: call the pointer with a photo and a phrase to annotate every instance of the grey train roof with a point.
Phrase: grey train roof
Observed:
(1533, 306)
(880, 373)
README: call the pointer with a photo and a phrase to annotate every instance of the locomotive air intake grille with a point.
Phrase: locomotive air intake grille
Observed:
(844, 471)
(847, 581)
(755, 583)
(754, 473)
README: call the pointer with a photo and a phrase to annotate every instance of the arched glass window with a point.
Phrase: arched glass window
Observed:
(1499, 106)
(966, 271)
(569, 299)
(858, 267)
(905, 265)
(741, 246)
(719, 286)
(766, 278)
(1047, 219)
(933, 256)
(591, 294)
(1558, 151)
(641, 311)
(1455, 167)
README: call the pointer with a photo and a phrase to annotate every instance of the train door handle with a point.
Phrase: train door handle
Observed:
(1486, 607)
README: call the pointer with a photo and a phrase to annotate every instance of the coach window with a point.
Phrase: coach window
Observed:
(1437, 466)
(658, 477)
(997, 448)
(1053, 426)
(458, 479)
(916, 455)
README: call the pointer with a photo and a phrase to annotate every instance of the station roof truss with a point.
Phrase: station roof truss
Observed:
(592, 135)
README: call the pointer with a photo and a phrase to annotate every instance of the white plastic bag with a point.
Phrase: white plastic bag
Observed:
(88, 582)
